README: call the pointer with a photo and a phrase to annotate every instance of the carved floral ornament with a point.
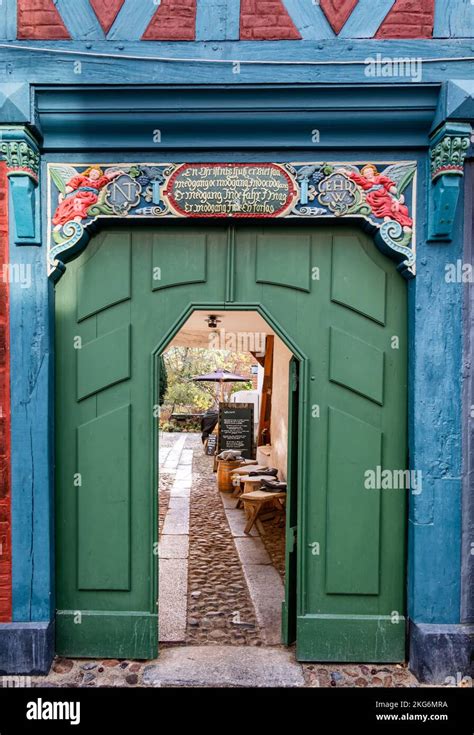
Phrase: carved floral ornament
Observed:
(448, 155)
(380, 195)
(21, 158)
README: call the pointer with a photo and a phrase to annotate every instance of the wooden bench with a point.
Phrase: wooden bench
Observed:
(255, 502)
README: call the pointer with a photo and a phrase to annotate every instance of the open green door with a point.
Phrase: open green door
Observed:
(289, 606)
(114, 305)
(340, 305)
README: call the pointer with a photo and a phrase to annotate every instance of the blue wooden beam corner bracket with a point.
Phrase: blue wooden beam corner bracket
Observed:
(448, 150)
(20, 151)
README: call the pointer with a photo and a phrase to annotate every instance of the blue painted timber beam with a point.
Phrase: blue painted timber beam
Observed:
(8, 18)
(366, 18)
(218, 20)
(132, 20)
(435, 431)
(80, 19)
(454, 19)
(326, 61)
(31, 406)
(309, 19)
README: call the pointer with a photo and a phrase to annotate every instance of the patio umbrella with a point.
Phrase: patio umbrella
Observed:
(220, 376)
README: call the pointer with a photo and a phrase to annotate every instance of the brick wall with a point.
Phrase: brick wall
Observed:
(262, 20)
(5, 523)
(408, 19)
(39, 19)
(173, 21)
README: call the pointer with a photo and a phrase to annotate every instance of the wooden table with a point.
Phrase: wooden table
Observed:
(240, 472)
(255, 501)
(249, 483)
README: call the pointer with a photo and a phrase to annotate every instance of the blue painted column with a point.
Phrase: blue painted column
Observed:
(26, 645)
(439, 644)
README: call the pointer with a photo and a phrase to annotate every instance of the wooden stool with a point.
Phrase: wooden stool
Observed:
(255, 501)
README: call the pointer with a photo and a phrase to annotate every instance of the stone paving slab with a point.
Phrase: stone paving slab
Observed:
(264, 581)
(173, 458)
(186, 458)
(174, 547)
(224, 666)
(228, 501)
(252, 551)
(173, 600)
(180, 489)
(236, 520)
(163, 454)
(184, 474)
(179, 501)
(177, 519)
(267, 593)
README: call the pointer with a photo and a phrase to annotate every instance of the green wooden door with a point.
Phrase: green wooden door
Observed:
(343, 305)
(113, 306)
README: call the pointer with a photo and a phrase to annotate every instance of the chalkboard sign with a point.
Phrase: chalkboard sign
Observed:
(211, 444)
(236, 428)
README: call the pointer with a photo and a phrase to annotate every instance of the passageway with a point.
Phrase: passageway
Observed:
(217, 584)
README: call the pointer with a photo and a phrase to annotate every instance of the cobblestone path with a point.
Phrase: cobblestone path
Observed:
(219, 606)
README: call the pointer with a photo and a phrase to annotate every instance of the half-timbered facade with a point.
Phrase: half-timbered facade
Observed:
(351, 123)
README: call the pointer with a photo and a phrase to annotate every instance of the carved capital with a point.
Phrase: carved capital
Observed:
(449, 147)
(448, 152)
(20, 151)
(21, 158)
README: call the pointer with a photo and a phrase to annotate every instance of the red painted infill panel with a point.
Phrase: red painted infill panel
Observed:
(5, 482)
(266, 21)
(337, 12)
(39, 20)
(106, 11)
(408, 19)
(173, 21)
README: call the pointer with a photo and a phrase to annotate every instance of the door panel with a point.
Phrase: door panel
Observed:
(353, 518)
(340, 302)
(356, 364)
(103, 453)
(105, 499)
(351, 540)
